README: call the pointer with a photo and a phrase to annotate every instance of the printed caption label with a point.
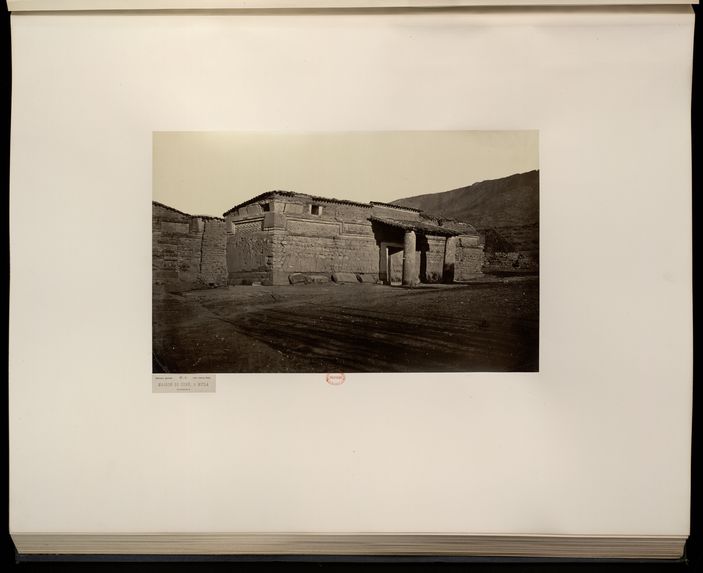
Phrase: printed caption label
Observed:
(183, 383)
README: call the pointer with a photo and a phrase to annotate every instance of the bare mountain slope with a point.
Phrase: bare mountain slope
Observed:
(509, 201)
(504, 211)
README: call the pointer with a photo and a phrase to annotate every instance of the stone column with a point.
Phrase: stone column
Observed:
(449, 258)
(383, 265)
(409, 270)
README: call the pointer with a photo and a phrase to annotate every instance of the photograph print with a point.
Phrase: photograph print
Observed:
(345, 252)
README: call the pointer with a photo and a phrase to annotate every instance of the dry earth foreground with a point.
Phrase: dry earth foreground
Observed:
(489, 325)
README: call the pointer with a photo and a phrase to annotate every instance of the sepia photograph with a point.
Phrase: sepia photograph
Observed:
(345, 252)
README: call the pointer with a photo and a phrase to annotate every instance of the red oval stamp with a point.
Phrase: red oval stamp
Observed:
(335, 378)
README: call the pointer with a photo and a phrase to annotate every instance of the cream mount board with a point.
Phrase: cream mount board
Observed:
(590, 455)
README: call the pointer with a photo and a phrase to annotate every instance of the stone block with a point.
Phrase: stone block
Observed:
(173, 227)
(468, 241)
(250, 210)
(295, 208)
(277, 278)
(367, 278)
(313, 279)
(297, 278)
(344, 278)
(274, 221)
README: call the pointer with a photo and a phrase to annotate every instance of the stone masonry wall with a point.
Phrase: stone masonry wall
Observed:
(173, 249)
(283, 234)
(213, 262)
(249, 252)
(339, 239)
(433, 260)
(310, 253)
(468, 258)
(511, 250)
(187, 252)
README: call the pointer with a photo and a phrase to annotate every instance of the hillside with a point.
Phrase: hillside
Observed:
(505, 212)
(507, 202)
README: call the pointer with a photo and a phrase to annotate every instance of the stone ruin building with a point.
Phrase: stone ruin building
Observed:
(188, 251)
(282, 237)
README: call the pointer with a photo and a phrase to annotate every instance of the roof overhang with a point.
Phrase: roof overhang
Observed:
(417, 226)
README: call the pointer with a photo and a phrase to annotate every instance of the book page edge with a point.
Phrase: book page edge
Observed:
(551, 546)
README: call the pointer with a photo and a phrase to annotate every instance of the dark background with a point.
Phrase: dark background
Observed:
(691, 562)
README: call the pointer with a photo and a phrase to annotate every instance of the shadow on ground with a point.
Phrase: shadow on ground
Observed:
(487, 326)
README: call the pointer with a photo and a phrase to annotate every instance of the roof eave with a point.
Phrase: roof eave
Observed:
(442, 232)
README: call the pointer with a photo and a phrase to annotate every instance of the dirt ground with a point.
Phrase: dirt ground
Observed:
(487, 325)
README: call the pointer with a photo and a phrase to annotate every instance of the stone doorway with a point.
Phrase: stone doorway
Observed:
(390, 268)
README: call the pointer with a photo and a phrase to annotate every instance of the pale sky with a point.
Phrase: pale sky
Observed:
(206, 173)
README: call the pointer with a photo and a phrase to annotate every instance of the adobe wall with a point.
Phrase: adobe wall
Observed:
(187, 252)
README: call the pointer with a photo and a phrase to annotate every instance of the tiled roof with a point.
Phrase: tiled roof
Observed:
(170, 208)
(456, 224)
(419, 226)
(206, 217)
(393, 206)
(294, 194)
(259, 198)
(333, 200)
